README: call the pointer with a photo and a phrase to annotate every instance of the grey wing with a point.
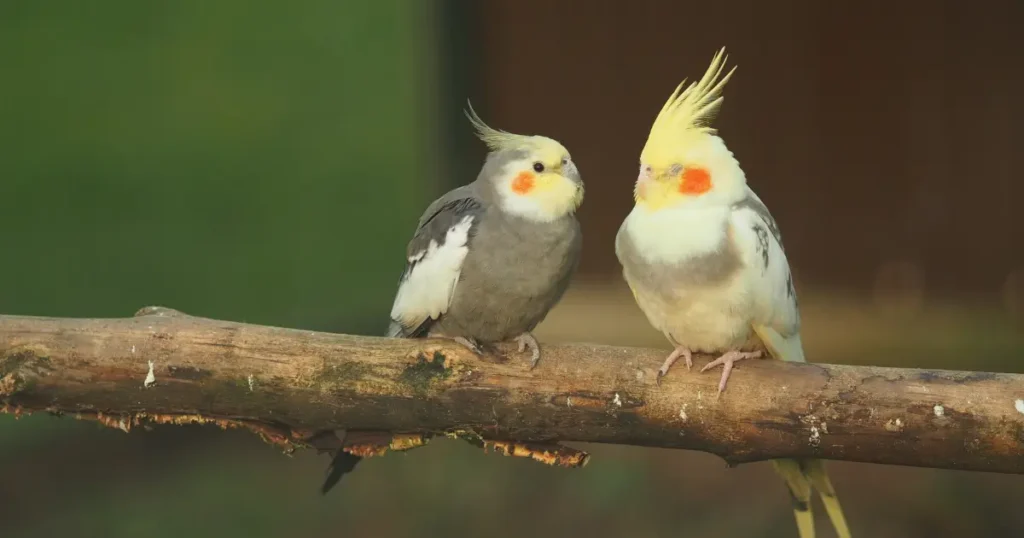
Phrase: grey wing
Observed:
(767, 267)
(434, 261)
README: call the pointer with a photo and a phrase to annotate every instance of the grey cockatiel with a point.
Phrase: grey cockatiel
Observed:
(704, 259)
(489, 259)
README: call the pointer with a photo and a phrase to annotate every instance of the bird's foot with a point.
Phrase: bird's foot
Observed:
(483, 350)
(726, 361)
(526, 340)
(680, 351)
(469, 344)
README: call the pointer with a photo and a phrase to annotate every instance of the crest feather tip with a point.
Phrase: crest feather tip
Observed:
(690, 108)
(495, 139)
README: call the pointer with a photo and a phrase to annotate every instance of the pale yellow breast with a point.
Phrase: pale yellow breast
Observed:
(702, 319)
(688, 278)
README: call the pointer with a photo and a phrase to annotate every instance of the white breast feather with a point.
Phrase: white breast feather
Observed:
(426, 292)
(668, 236)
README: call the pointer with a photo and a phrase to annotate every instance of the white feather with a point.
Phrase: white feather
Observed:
(671, 235)
(528, 208)
(542, 204)
(427, 290)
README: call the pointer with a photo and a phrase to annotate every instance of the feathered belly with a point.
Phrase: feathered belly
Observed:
(498, 301)
(708, 320)
(690, 286)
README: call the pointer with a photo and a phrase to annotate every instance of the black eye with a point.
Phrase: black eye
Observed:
(538, 167)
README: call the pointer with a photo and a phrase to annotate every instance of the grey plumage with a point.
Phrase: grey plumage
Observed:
(516, 269)
(762, 244)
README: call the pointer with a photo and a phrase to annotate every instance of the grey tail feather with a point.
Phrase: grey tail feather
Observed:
(341, 464)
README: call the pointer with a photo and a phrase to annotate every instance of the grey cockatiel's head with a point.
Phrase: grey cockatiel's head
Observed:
(533, 177)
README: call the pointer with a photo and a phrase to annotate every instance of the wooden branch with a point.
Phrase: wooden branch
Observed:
(297, 388)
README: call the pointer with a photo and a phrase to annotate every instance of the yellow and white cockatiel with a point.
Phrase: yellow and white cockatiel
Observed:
(704, 259)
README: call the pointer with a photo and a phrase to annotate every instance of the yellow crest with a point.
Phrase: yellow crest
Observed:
(497, 140)
(687, 112)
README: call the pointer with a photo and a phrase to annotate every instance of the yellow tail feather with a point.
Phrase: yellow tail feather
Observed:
(800, 491)
(815, 470)
(782, 348)
(801, 476)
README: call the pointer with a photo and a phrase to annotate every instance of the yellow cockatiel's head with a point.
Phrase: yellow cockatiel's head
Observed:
(684, 161)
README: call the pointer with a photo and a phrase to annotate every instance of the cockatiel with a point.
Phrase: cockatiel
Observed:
(704, 259)
(491, 258)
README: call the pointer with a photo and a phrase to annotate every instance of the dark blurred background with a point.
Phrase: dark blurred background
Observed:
(264, 163)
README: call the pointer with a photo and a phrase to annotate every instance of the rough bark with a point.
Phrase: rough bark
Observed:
(297, 388)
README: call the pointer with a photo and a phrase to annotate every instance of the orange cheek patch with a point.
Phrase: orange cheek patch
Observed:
(523, 183)
(695, 181)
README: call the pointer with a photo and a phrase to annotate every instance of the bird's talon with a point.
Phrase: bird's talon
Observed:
(527, 341)
(535, 359)
(470, 345)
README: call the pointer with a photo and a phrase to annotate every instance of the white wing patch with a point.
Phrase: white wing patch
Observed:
(428, 288)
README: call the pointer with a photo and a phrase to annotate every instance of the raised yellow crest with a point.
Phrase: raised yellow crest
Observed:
(686, 113)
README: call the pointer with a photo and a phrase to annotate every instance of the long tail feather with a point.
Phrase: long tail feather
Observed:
(801, 477)
(815, 471)
(341, 464)
(800, 491)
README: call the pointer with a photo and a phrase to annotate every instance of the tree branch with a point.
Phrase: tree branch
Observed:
(298, 388)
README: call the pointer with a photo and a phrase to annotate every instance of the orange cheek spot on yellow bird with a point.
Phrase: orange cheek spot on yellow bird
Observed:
(695, 181)
(523, 183)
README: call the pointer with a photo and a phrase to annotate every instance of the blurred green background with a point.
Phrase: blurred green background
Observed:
(243, 161)
(266, 163)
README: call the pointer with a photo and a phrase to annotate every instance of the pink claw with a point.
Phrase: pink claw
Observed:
(726, 361)
(672, 358)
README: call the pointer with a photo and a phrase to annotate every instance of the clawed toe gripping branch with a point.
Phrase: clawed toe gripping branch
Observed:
(367, 395)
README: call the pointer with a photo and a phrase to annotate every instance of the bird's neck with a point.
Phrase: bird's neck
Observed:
(676, 234)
